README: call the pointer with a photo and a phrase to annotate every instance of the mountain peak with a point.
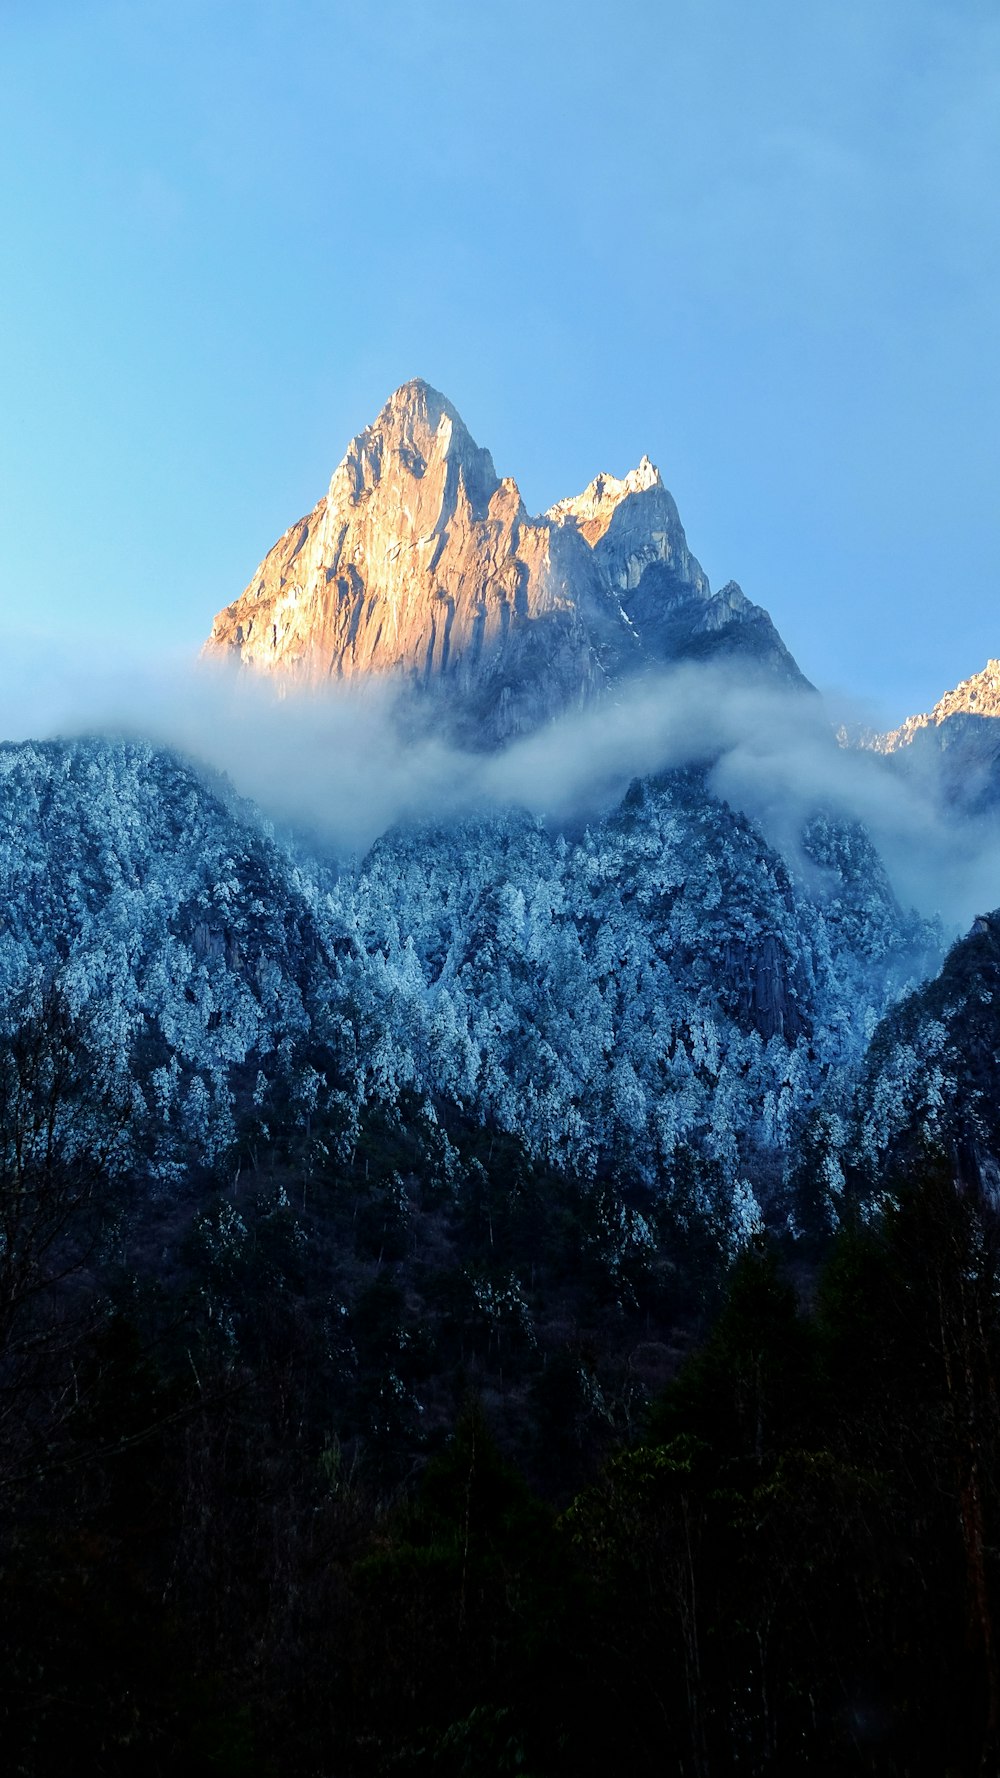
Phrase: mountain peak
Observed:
(594, 509)
(417, 430)
(421, 564)
(418, 402)
(979, 695)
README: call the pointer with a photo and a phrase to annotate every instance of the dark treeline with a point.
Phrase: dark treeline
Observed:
(431, 1461)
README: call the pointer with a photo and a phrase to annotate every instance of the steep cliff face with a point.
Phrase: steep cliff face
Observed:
(421, 564)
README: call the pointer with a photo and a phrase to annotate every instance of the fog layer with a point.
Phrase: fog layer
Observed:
(336, 764)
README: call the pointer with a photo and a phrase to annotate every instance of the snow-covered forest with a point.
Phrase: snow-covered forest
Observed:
(360, 1224)
(655, 986)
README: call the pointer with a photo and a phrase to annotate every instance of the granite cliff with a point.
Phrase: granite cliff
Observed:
(420, 563)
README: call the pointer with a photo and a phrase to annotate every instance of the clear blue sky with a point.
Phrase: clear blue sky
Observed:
(758, 241)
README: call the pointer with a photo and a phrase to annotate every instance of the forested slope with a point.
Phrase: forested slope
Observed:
(364, 1225)
(657, 986)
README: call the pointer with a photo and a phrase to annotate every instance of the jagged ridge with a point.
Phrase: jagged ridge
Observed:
(422, 564)
(979, 695)
(953, 749)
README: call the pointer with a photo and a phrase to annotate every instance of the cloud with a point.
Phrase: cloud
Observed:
(339, 766)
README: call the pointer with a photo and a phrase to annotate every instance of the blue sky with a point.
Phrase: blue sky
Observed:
(759, 242)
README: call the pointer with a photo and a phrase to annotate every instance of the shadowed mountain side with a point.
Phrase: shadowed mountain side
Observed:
(932, 1075)
(680, 624)
(963, 755)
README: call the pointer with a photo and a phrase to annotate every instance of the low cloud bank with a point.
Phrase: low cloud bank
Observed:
(334, 763)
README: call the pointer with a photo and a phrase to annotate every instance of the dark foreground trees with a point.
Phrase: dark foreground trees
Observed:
(62, 1119)
(230, 1546)
(813, 1534)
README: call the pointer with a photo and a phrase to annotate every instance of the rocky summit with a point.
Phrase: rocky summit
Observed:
(978, 696)
(955, 747)
(422, 564)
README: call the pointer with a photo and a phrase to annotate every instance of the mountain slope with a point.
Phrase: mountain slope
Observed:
(420, 564)
(656, 988)
(176, 932)
(656, 992)
(933, 1073)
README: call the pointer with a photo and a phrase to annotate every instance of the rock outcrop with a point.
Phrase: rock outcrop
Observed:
(956, 746)
(420, 563)
(976, 696)
(629, 524)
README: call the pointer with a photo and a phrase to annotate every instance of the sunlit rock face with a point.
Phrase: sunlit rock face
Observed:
(956, 745)
(977, 696)
(421, 564)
